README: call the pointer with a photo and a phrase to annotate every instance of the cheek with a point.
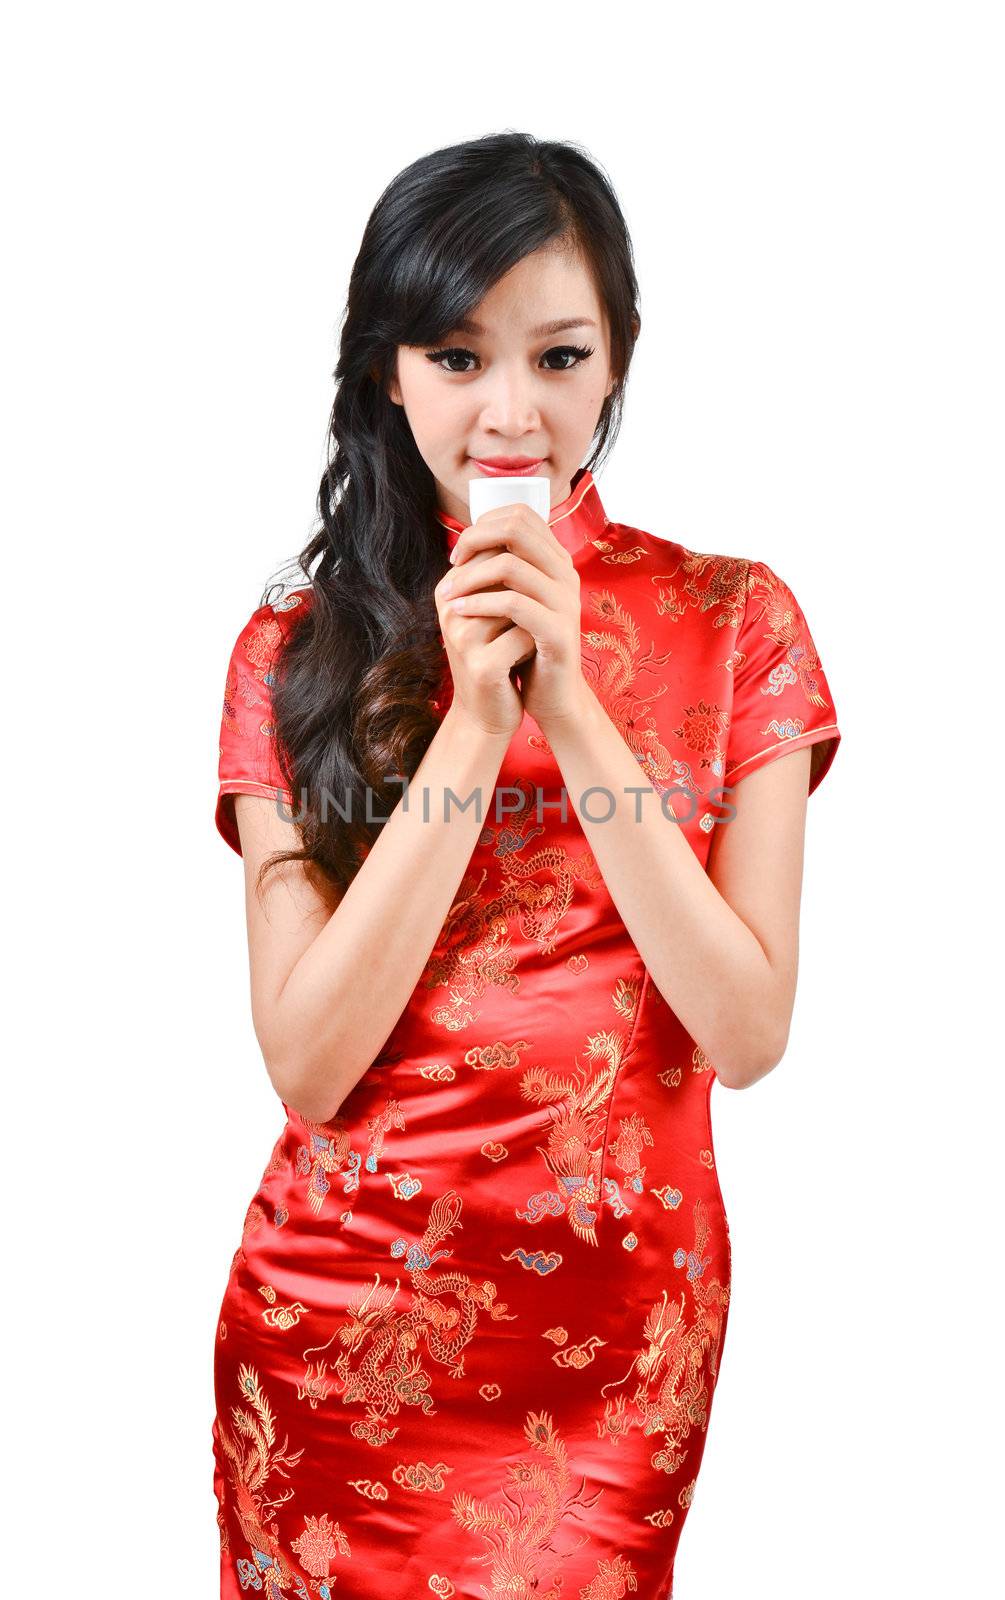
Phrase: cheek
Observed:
(420, 404)
(441, 415)
(422, 397)
(596, 397)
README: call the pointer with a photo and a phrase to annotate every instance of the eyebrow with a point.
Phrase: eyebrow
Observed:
(467, 325)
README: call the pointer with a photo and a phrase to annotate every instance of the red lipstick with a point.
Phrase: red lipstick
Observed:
(508, 466)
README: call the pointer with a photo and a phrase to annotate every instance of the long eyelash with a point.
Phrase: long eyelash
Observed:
(579, 351)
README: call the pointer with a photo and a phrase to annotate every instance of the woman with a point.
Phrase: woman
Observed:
(471, 1335)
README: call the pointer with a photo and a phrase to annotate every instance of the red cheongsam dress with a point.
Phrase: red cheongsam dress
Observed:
(472, 1331)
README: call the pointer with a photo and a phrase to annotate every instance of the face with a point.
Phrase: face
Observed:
(509, 390)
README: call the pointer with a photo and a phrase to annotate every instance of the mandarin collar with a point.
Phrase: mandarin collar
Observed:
(578, 521)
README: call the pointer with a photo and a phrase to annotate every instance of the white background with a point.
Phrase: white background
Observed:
(815, 207)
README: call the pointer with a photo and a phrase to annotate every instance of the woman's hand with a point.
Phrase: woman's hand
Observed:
(482, 652)
(540, 596)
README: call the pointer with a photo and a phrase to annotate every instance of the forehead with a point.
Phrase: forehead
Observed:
(545, 289)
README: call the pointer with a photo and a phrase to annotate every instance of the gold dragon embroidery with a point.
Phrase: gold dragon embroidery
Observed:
(678, 1364)
(534, 894)
(381, 1367)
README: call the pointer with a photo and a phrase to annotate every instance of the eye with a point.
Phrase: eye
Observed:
(574, 350)
(577, 352)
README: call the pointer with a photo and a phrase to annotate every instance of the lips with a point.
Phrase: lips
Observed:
(515, 466)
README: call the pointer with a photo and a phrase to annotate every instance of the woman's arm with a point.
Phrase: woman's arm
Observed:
(721, 946)
(329, 986)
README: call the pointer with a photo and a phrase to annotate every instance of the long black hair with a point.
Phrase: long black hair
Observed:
(355, 682)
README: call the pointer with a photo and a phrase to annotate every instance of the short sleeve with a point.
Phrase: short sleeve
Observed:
(781, 697)
(248, 763)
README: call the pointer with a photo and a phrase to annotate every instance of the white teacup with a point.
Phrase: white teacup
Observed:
(486, 493)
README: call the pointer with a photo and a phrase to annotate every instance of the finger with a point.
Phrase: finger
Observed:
(519, 646)
(503, 522)
(462, 633)
(508, 569)
(515, 528)
(519, 512)
(485, 628)
(539, 620)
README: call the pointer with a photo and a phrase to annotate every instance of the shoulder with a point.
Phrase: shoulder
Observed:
(772, 609)
(681, 580)
(248, 762)
(623, 544)
(707, 589)
(253, 656)
(268, 626)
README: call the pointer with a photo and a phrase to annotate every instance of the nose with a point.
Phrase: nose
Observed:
(511, 406)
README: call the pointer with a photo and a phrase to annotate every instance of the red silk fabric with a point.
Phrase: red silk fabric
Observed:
(472, 1331)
